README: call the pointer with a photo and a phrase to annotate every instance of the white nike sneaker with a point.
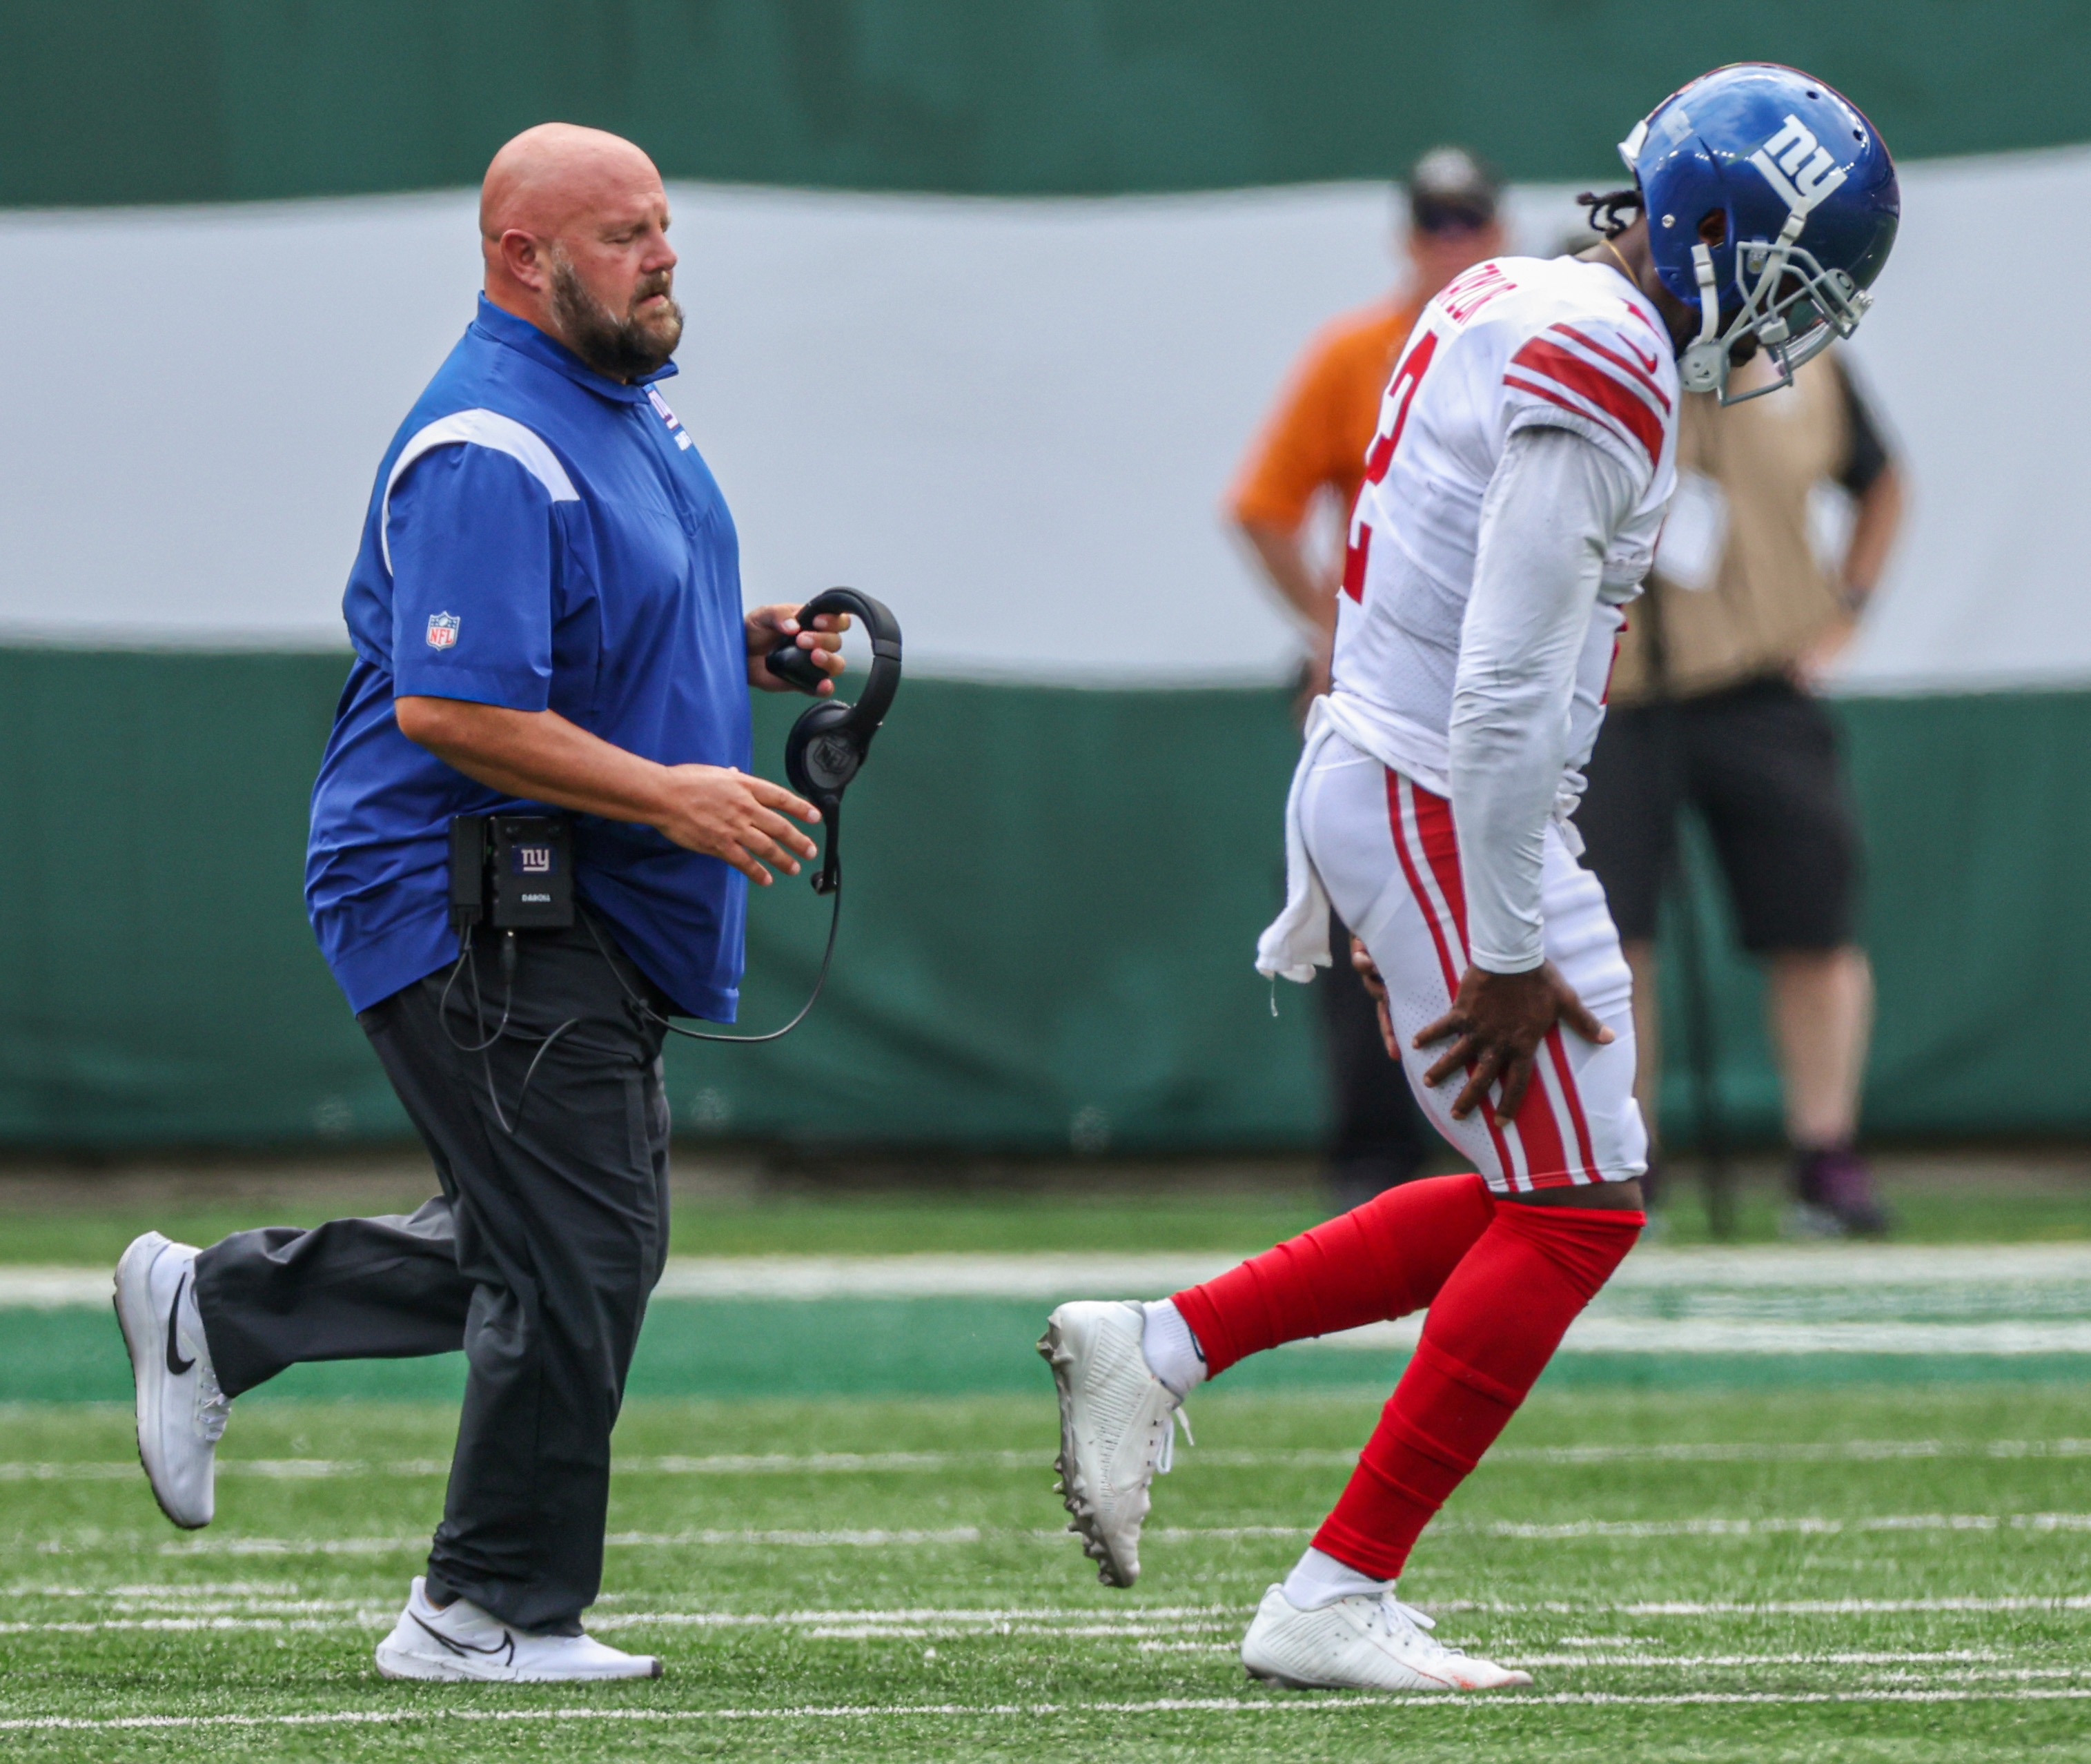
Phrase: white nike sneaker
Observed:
(181, 1410)
(1115, 1428)
(461, 1641)
(1360, 1643)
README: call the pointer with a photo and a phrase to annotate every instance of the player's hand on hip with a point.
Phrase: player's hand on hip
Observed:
(724, 813)
(1368, 970)
(1495, 1026)
(768, 626)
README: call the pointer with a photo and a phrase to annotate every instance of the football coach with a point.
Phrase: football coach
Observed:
(546, 615)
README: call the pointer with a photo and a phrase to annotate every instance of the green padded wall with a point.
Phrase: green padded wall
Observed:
(184, 100)
(1053, 899)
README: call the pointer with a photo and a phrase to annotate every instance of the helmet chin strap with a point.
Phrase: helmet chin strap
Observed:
(1704, 366)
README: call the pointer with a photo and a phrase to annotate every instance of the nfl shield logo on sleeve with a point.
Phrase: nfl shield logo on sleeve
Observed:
(443, 631)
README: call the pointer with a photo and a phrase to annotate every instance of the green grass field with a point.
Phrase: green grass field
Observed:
(1865, 1555)
(1893, 1574)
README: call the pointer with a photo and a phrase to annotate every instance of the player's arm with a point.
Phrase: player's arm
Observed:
(1555, 502)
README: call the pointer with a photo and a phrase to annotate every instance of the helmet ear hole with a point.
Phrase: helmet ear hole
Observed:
(1713, 226)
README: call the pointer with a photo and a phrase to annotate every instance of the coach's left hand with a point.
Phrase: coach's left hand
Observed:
(769, 626)
(1500, 1020)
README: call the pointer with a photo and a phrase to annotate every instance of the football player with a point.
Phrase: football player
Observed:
(1513, 494)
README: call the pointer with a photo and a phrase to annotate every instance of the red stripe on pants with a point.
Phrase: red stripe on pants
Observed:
(1439, 853)
(1559, 1050)
(1547, 1159)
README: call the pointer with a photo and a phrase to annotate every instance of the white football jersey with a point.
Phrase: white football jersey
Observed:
(1513, 343)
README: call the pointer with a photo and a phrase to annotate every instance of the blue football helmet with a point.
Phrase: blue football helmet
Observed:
(1772, 205)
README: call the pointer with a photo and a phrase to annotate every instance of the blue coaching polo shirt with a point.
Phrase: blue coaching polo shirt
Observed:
(539, 537)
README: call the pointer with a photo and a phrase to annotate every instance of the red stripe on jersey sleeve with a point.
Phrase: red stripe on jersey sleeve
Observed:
(1540, 360)
(1553, 395)
(1356, 556)
(1640, 375)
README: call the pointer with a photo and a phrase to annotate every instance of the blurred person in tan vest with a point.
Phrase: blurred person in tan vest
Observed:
(1713, 707)
(1302, 473)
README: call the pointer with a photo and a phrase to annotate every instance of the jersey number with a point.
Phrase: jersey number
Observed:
(1400, 397)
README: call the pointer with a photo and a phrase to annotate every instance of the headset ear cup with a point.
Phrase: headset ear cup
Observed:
(823, 752)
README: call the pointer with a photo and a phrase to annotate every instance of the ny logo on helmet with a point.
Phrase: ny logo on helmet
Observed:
(1799, 167)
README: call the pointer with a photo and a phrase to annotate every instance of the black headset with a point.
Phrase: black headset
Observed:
(822, 754)
(828, 745)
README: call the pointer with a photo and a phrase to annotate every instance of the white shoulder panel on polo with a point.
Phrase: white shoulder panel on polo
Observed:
(477, 429)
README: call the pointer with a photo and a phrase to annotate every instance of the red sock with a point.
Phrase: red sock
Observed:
(1494, 1325)
(1384, 1259)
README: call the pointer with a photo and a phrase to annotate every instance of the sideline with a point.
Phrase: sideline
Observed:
(1337, 1703)
(1057, 1275)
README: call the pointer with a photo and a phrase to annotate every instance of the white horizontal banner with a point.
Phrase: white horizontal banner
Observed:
(1013, 420)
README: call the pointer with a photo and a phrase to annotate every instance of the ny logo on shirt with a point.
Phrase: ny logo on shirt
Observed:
(674, 423)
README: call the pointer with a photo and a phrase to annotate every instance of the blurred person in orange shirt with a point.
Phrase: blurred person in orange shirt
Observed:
(1312, 449)
(1310, 456)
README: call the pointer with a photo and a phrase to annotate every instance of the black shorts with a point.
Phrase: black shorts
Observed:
(1759, 762)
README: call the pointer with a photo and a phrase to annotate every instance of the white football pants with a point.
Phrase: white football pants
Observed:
(1385, 851)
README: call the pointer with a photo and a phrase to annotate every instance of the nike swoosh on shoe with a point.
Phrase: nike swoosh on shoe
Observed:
(506, 1648)
(175, 1364)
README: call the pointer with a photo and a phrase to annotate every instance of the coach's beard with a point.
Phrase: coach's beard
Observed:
(624, 349)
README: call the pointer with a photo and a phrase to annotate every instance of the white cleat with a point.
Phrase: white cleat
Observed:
(181, 1410)
(462, 1642)
(1361, 1643)
(1115, 1428)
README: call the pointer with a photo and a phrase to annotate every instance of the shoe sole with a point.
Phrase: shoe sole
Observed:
(136, 1317)
(406, 1667)
(1280, 1679)
(1056, 1354)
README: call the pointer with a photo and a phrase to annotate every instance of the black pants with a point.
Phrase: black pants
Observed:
(1378, 1137)
(536, 1259)
(1759, 762)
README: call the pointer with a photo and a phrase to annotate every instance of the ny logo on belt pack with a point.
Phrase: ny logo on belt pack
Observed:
(443, 631)
(1799, 167)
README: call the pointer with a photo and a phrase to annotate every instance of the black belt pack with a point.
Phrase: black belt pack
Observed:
(515, 872)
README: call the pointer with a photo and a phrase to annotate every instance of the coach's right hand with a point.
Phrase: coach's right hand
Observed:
(1499, 1020)
(726, 813)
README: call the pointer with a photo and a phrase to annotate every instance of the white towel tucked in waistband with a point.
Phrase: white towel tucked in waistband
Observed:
(1296, 941)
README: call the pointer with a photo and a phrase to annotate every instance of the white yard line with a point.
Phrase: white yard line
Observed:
(1596, 1334)
(1700, 1526)
(1972, 1658)
(1062, 1275)
(878, 1462)
(1774, 1607)
(191, 1610)
(1775, 1526)
(788, 1540)
(1273, 1705)
(181, 1594)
